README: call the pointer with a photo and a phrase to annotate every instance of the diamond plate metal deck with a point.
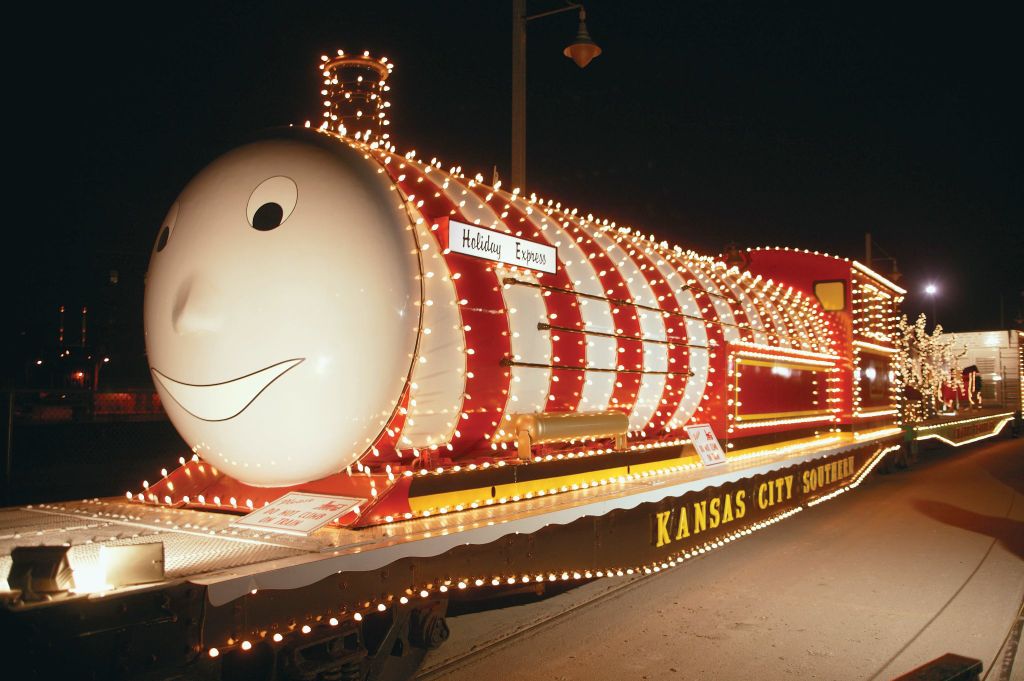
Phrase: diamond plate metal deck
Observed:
(195, 542)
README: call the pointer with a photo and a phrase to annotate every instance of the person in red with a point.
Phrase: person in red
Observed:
(950, 393)
(972, 385)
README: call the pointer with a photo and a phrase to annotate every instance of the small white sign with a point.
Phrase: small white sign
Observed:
(298, 513)
(499, 247)
(706, 444)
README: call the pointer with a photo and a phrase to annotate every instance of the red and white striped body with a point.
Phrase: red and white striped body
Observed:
(625, 323)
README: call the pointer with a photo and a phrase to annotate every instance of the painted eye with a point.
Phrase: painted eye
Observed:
(271, 203)
(165, 231)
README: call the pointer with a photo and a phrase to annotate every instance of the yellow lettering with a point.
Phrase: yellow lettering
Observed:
(741, 506)
(807, 483)
(789, 486)
(762, 502)
(663, 536)
(684, 527)
(716, 503)
(700, 516)
(727, 511)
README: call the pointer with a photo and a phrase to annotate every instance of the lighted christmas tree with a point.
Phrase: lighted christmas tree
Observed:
(924, 364)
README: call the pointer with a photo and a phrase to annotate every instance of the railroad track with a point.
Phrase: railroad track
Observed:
(441, 669)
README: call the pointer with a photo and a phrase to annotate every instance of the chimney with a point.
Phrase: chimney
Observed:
(353, 92)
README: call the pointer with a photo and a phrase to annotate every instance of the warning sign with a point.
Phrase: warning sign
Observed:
(298, 513)
(706, 444)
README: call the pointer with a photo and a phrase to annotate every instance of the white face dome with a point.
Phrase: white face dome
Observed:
(281, 309)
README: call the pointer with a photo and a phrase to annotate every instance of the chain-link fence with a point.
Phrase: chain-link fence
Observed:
(67, 444)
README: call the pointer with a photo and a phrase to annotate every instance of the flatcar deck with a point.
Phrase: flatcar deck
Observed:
(203, 548)
(964, 426)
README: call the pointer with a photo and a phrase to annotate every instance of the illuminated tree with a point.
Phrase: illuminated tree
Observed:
(924, 364)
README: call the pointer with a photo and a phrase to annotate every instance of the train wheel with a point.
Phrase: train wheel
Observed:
(385, 646)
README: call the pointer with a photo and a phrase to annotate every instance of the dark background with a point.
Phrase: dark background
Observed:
(781, 123)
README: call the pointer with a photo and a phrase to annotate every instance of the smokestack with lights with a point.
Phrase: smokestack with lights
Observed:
(354, 96)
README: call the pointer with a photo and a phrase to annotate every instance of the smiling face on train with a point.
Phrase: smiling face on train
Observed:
(280, 312)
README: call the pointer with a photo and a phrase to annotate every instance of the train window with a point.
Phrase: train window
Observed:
(831, 294)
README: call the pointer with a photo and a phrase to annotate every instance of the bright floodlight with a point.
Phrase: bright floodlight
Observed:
(931, 289)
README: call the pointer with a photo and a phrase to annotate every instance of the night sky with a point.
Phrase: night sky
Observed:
(802, 124)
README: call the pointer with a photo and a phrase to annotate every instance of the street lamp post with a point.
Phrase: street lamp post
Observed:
(932, 290)
(581, 51)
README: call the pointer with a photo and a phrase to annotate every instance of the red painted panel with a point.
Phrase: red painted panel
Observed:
(800, 270)
(779, 389)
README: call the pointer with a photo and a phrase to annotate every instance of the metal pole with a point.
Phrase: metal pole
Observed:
(518, 94)
(9, 448)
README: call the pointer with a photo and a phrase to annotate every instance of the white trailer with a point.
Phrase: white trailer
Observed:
(999, 356)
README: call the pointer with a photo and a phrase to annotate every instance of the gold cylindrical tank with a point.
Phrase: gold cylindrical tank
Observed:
(532, 429)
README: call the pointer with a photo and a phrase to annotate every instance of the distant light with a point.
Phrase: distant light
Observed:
(931, 289)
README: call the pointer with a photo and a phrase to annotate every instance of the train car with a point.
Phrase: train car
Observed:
(999, 358)
(985, 398)
(864, 307)
(397, 383)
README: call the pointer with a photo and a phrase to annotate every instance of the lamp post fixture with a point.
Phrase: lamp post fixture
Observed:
(932, 290)
(581, 51)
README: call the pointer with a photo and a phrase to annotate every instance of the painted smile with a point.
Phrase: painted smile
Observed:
(225, 400)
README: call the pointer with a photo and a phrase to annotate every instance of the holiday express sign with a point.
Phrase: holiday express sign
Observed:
(499, 247)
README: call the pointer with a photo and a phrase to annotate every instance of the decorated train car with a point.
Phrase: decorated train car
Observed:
(325, 314)
(397, 383)
(445, 326)
(981, 395)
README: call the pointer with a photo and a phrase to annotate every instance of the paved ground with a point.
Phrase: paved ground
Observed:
(870, 585)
